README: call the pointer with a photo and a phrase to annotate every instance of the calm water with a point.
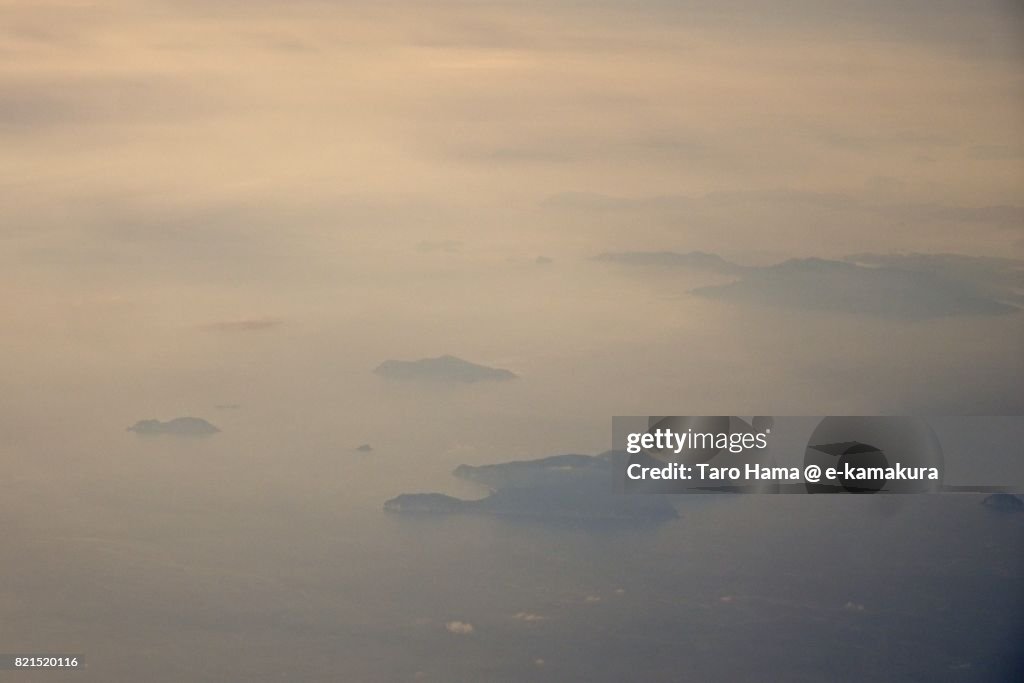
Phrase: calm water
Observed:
(172, 582)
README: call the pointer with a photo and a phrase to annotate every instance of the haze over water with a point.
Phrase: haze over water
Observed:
(236, 211)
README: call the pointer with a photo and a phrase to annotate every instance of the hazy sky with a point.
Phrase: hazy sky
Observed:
(223, 202)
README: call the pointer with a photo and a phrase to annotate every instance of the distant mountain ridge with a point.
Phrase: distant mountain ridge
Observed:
(881, 291)
(445, 368)
(907, 286)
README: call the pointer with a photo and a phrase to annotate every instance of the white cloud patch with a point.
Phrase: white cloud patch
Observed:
(529, 617)
(460, 628)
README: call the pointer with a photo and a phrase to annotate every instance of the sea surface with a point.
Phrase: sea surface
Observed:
(171, 581)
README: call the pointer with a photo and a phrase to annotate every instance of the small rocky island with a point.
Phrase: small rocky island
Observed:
(1004, 502)
(179, 426)
(571, 487)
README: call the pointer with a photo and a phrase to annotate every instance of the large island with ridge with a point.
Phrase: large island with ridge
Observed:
(571, 486)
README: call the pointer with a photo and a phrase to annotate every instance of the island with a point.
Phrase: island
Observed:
(1004, 502)
(179, 426)
(442, 369)
(568, 487)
